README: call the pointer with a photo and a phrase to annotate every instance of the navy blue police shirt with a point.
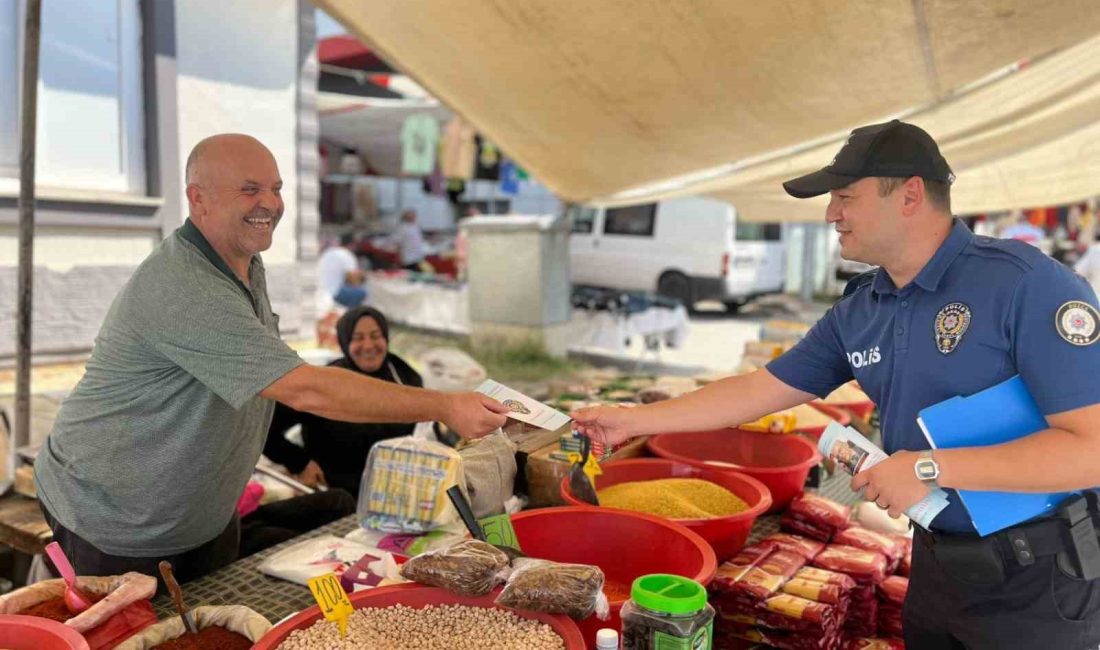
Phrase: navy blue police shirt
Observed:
(981, 311)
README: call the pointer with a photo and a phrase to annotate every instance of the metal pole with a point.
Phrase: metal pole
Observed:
(27, 125)
(809, 260)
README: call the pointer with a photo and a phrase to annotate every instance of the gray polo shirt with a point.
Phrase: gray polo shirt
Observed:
(151, 451)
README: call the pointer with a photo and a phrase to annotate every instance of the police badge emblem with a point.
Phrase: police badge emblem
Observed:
(951, 324)
(1076, 322)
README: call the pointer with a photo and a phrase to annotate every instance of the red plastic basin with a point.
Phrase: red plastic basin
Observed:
(726, 535)
(625, 545)
(780, 462)
(19, 632)
(840, 415)
(418, 596)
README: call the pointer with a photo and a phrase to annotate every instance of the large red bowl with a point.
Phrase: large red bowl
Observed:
(726, 535)
(781, 462)
(19, 632)
(418, 596)
(626, 545)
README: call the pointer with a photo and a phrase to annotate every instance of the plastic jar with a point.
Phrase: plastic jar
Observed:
(667, 612)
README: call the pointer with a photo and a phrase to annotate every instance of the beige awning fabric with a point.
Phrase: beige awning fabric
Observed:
(597, 98)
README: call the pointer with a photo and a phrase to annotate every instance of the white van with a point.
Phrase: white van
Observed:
(691, 249)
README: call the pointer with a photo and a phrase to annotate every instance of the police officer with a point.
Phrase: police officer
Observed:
(946, 313)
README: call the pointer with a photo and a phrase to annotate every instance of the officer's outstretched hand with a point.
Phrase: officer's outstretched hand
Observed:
(472, 415)
(892, 484)
(610, 425)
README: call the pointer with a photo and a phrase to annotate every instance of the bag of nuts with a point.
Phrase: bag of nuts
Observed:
(575, 590)
(470, 567)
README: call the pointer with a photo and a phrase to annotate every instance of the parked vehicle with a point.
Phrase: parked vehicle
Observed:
(691, 249)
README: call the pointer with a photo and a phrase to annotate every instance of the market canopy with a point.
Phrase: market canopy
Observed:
(597, 99)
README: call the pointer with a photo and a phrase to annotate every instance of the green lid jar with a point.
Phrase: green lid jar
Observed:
(667, 612)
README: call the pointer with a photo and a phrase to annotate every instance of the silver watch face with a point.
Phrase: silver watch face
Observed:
(927, 470)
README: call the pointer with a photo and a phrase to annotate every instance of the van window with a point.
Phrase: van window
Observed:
(582, 218)
(757, 231)
(630, 220)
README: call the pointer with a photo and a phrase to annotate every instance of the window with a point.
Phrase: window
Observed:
(583, 219)
(90, 122)
(758, 232)
(634, 220)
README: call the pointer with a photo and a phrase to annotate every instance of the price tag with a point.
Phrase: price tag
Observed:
(498, 531)
(332, 600)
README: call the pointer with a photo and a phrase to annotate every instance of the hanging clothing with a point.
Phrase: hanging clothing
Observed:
(419, 137)
(509, 179)
(488, 160)
(459, 151)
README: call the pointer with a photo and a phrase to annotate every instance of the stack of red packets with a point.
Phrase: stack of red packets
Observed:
(822, 584)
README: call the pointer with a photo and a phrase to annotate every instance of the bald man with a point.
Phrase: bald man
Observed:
(151, 451)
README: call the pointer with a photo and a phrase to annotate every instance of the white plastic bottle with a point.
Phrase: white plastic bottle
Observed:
(607, 639)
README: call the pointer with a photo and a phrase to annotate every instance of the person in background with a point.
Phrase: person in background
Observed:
(409, 242)
(462, 244)
(339, 275)
(1088, 266)
(335, 452)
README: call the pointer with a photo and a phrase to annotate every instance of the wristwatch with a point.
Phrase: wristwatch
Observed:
(927, 469)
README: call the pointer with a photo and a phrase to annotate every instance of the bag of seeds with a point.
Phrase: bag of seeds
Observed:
(470, 568)
(575, 590)
(236, 619)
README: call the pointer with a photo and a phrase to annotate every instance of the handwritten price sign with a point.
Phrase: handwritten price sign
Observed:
(332, 600)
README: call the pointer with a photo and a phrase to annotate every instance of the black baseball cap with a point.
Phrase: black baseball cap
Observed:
(892, 149)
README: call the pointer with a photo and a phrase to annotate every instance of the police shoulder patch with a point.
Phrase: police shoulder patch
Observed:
(1077, 322)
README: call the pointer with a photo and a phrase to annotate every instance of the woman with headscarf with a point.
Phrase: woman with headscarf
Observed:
(335, 452)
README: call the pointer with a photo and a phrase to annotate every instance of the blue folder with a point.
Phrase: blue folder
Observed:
(995, 415)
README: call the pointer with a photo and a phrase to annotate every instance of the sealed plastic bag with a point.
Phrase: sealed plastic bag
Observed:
(404, 488)
(575, 590)
(235, 618)
(121, 609)
(470, 568)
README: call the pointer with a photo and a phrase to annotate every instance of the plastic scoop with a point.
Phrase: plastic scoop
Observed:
(177, 596)
(75, 601)
(580, 484)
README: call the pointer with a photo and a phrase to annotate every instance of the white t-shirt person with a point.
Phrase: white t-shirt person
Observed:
(1089, 266)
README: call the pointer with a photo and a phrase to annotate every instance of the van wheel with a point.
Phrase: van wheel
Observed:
(733, 306)
(676, 285)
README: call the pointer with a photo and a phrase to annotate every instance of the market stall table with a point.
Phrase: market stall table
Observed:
(241, 583)
(22, 525)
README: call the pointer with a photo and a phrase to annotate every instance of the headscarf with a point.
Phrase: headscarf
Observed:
(345, 327)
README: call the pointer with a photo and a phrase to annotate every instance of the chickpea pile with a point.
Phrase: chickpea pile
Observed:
(442, 627)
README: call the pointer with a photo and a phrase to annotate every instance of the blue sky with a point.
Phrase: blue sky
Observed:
(327, 26)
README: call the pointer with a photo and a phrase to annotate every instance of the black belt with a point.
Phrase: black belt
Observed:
(1022, 545)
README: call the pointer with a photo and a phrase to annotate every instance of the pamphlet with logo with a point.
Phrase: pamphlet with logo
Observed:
(524, 408)
(855, 453)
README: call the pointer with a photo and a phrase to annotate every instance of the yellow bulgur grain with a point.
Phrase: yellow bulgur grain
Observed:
(673, 498)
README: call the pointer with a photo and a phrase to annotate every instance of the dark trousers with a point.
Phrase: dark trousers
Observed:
(277, 522)
(1035, 607)
(90, 561)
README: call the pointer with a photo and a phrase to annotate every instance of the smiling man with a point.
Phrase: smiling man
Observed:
(947, 313)
(152, 449)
